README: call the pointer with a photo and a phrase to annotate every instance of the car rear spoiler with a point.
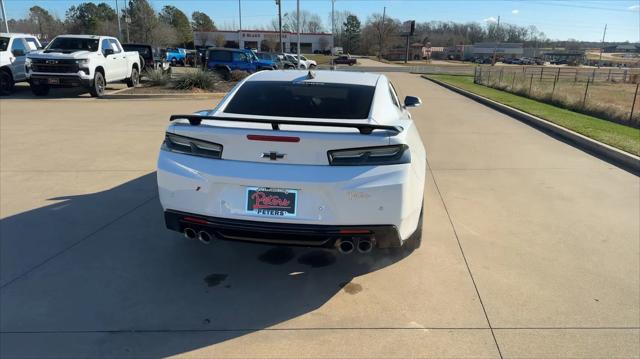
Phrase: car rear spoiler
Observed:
(364, 128)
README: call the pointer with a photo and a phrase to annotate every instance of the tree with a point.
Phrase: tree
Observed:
(173, 16)
(89, 18)
(378, 35)
(143, 22)
(45, 25)
(308, 22)
(202, 22)
(352, 33)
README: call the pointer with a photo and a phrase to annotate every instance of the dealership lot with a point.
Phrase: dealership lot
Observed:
(530, 249)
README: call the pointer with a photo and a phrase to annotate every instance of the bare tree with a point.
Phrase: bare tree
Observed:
(218, 40)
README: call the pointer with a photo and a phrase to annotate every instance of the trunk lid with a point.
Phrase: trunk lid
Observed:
(291, 144)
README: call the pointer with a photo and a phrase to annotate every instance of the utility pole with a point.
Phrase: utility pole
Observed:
(4, 16)
(298, 21)
(384, 12)
(118, 16)
(240, 14)
(333, 25)
(279, 2)
(602, 45)
(495, 49)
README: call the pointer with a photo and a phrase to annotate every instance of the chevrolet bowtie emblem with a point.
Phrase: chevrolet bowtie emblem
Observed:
(272, 155)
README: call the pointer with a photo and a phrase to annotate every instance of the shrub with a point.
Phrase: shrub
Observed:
(200, 79)
(157, 77)
(237, 75)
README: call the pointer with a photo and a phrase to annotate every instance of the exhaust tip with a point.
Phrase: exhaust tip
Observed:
(204, 237)
(365, 246)
(190, 233)
(345, 246)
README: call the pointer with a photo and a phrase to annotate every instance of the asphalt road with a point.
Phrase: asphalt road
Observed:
(530, 249)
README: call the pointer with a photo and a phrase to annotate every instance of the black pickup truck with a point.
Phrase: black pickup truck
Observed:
(150, 57)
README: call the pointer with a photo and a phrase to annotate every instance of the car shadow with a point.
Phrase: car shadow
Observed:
(103, 263)
(22, 91)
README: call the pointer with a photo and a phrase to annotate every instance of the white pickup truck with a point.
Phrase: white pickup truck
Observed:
(82, 60)
(13, 52)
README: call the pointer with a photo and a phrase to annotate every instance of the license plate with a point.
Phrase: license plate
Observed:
(274, 202)
(53, 81)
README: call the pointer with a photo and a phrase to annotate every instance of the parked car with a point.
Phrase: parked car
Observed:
(304, 62)
(150, 57)
(356, 185)
(225, 60)
(287, 63)
(13, 53)
(82, 60)
(262, 64)
(345, 60)
(176, 55)
(276, 59)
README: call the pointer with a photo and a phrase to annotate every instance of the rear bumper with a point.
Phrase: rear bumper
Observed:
(324, 236)
(338, 196)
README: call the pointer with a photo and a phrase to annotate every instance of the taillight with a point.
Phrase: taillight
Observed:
(365, 156)
(191, 146)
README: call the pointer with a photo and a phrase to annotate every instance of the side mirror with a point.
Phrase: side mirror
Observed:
(17, 52)
(107, 52)
(412, 101)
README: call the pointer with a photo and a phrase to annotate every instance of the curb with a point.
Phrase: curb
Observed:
(611, 154)
(178, 96)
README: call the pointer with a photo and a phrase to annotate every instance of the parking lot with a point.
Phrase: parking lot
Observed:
(531, 249)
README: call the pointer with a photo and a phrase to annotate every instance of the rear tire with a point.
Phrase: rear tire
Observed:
(6, 83)
(134, 79)
(40, 89)
(98, 85)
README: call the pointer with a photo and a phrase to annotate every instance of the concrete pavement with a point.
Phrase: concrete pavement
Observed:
(530, 249)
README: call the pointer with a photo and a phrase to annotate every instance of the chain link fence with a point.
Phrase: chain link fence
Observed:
(610, 94)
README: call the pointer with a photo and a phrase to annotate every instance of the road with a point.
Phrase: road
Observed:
(530, 249)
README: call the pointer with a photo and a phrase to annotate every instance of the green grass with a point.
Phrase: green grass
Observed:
(616, 135)
(319, 58)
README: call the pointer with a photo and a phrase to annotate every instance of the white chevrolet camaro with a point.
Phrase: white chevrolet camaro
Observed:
(320, 159)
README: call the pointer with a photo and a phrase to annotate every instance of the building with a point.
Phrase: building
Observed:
(264, 40)
(487, 49)
(417, 51)
(622, 48)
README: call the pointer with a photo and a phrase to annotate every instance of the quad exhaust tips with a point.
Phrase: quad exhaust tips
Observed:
(365, 245)
(190, 233)
(345, 246)
(204, 237)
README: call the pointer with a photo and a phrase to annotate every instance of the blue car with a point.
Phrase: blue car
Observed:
(176, 55)
(225, 60)
(263, 63)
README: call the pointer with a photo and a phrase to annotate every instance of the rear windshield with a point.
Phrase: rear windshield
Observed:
(68, 44)
(300, 99)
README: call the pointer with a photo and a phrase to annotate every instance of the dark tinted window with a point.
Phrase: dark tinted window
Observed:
(223, 56)
(239, 57)
(73, 44)
(144, 51)
(299, 99)
(4, 43)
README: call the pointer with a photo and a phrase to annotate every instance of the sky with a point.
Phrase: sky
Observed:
(558, 19)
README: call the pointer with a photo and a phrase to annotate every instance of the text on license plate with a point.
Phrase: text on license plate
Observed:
(271, 201)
